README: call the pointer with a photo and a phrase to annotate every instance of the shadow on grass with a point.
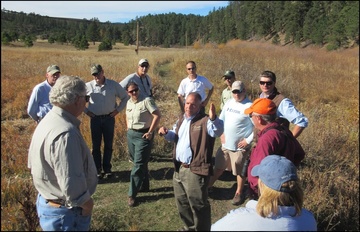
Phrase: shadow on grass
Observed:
(124, 176)
(153, 198)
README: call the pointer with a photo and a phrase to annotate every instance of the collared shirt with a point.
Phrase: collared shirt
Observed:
(199, 85)
(61, 163)
(247, 219)
(287, 110)
(139, 114)
(225, 96)
(183, 150)
(144, 83)
(103, 97)
(39, 104)
(270, 142)
(237, 125)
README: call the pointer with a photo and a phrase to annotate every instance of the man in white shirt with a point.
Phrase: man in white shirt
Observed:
(237, 136)
(194, 83)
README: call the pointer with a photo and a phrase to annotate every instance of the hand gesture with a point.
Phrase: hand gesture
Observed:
(212, 112)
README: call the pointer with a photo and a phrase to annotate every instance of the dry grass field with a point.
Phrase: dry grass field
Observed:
(323, 85)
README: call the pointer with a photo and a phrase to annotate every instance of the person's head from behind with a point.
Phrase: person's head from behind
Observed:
(262, 112)
(267, 82)
(192, 104)
(52, 74)
(69, 92)
(279, 185)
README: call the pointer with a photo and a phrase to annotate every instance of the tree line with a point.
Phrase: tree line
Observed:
(334, 23)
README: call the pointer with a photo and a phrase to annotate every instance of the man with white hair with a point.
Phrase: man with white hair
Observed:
(61, 163)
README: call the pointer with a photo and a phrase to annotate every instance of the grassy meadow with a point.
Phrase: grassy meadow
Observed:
(323, 85)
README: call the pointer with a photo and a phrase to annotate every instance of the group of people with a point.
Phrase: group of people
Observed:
(65, 172)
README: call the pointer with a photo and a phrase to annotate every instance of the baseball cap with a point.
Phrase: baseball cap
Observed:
(143, 61)
(237, 85)
(275, 170)
(95, 69)
(262, 106)
(52, 69)
(229, 73)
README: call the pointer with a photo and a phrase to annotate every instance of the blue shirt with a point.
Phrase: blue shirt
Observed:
(247, 219)
(39, 104)
(287, 110)
(183, 150)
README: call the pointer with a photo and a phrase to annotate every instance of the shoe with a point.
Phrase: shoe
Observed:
(108, 174)
(237, 200)
(183, 229)
(100, 176)
(131, 202)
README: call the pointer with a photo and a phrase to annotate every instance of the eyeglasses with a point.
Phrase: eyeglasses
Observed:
(144, 66)
(228, 79)
(266, 82)
(251, 115)
(236, 91)
(193, 68)
(87, 98)
(133, 91)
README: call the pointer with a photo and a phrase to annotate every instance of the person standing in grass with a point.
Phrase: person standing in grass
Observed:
(102, 109)
(142, 118)
(194, 83)
(194, 137)
(39, 104)
(273, 138)
(280, 206)
(236, 139)
(286, 112)
(226, 94)
(62, 168)
(143, 80)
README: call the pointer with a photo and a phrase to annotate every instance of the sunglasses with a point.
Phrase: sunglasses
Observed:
(191, 68)
(87, 98)
(266, 82)
(133, 91)
(144, 66)
(236, 91)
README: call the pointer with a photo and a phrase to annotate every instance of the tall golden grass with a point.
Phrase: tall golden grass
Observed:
(323, 85)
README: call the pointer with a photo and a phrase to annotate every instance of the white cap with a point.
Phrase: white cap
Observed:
(143, 61)
(237, 85)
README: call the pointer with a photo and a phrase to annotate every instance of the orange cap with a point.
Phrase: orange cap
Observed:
(262, 106)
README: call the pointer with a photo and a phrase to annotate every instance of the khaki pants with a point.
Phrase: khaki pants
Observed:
(191, 198)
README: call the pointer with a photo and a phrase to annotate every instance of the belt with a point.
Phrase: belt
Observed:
(56, 203)
(102, 116)
(184, 165)
(141, 130)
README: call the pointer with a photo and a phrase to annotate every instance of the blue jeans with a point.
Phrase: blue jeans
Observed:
(61, 219)
(102, 127)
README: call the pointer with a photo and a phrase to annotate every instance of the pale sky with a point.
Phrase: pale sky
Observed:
(113, 11)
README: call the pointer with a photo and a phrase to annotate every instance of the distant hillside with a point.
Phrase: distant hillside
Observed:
(334, 23)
